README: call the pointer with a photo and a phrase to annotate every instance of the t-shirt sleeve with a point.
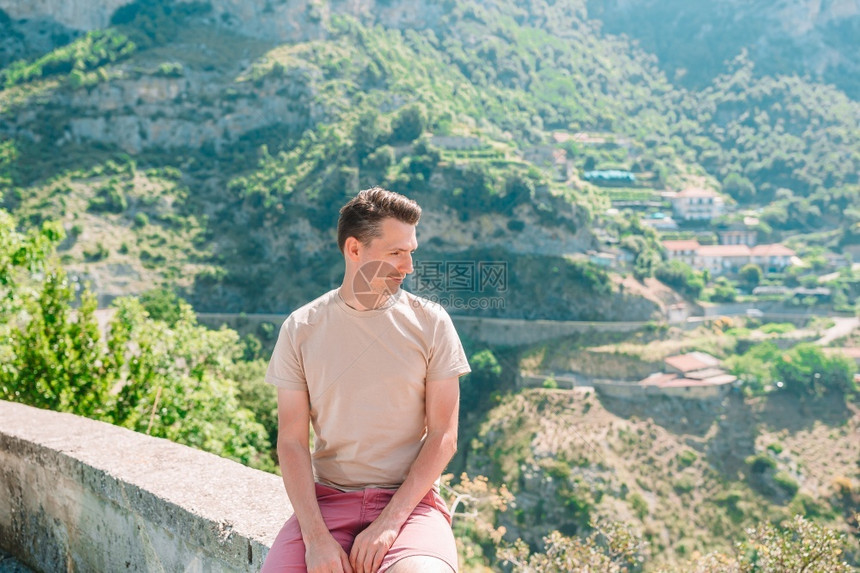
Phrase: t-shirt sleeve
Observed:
(285, 367)
(447, 357)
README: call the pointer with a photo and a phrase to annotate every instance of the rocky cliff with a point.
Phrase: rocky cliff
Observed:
(693, 39)
(280, 20)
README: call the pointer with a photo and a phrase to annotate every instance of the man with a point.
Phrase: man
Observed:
(376, 371)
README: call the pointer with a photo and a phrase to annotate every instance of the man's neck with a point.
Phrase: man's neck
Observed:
(347, 295)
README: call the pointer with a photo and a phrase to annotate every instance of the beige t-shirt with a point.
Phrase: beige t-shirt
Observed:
(365, 373)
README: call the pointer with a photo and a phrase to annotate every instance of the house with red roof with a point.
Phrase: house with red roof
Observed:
(693, 375)
(776, 256)
(719, 259)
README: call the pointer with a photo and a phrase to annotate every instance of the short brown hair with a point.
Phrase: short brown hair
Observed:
(362, 216)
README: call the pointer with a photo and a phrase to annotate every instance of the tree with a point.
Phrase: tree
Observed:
(366, 134)
(168, 378)
(162, 304)
(739, 187)
(484, 379)
(680, 276)
(751, 275)
(408, 124)
(806, 371)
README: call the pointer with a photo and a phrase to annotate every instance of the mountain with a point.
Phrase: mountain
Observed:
(693, 40)
(207, 146)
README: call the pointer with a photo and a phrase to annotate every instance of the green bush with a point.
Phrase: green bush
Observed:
(686, 458)
(141, 220)
(684, 484)
(680, 276)
(786, 483)
(639, 505)
(108, 199)
(760, 463)
(775, 447)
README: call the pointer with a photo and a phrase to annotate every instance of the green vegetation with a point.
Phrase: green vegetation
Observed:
(796, 545)
(804, 370)
(680, 276)
(807, 371)
(504, 79)
(164, 375)
(219, 183)
(73, 61)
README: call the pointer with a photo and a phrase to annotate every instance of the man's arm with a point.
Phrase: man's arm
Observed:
(442, 401)
(322, 552)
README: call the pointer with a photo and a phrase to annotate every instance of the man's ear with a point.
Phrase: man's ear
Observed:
(352, 248)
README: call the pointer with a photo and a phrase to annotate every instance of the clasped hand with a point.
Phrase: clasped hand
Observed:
(368, 551)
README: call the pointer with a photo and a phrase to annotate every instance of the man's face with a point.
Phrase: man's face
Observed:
(387, 259)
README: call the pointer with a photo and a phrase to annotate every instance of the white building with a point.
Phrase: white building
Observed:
(719, 259)
(693, 204)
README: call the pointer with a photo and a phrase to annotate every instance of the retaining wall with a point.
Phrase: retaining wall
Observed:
(82, 495)
(497, 331)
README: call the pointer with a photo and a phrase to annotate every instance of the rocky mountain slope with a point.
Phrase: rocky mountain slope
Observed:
(693, 40)
(207, 146)
(688, 475)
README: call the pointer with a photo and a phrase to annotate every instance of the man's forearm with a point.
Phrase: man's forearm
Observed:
(295, 463)
(438, 449)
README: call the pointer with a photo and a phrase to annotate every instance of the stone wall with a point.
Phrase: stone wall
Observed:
(496, 331)
(81, 495)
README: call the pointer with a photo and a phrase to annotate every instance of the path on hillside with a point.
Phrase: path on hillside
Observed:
(842, 326)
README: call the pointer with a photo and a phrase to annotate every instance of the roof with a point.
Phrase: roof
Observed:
(686, 245)
(774, 250)
(696, 192)
(723, 251)
(705, 373)
(657, 379)
(692, 361)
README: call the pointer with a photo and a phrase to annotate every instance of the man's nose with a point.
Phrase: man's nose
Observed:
(406, 264)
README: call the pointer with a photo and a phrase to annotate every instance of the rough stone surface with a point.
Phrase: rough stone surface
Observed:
(76, 494)
(9, 564)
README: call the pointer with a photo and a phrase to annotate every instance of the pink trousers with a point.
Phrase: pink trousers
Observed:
(426, 532)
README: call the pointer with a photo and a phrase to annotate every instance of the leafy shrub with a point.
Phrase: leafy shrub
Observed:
(680, 276)
(760, 463)
(786, 482)
(141, 220)
(108, 199)
(97, 253)
(684, 484)
(639, 505)
(686, 458)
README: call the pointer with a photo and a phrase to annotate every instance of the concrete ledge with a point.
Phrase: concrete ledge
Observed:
(81, 495)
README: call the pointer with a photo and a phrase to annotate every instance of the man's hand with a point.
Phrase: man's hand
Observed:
(326, 556)
(371, 546)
